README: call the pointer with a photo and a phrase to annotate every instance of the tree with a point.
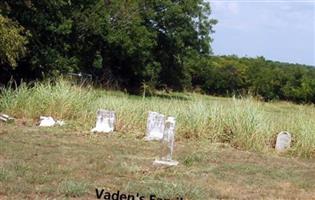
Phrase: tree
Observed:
(12, 41)
(182, 27)
(120, 42)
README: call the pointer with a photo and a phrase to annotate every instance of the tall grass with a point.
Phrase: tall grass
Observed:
(244, 123)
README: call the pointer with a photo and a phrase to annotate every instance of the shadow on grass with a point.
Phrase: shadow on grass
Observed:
(172, 96)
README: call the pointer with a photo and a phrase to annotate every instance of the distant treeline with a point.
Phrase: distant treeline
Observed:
(270, 80)
(136, 45)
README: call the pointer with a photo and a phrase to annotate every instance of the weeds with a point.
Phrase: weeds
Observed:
(73, 188)
(244, 123)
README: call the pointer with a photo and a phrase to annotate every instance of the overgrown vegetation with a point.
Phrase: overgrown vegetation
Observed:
(269, 80)
(12, 41)
(156, 48)
(124, 43)
(244, 123)
(139, 45)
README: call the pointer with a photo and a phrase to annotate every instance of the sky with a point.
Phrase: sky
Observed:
(282, 30)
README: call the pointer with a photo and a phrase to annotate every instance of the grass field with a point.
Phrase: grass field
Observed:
(245, 123)
(50, 163)
(225, 146)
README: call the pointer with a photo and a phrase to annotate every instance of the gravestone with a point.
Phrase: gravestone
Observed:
(283, 141)
(167, 144)
(105, 121)
(46, 121)
(49, 121)
(155, 126)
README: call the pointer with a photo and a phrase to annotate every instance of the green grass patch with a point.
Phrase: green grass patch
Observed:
(71, 188)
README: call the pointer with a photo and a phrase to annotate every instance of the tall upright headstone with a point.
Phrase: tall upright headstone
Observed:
(105, 121)
(167, 144)
(155, 126)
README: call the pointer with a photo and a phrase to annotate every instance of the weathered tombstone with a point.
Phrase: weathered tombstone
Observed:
(49, 121)
(155, 126)
(46, 121)
(105, 121)
(167, 144)
(283, 141)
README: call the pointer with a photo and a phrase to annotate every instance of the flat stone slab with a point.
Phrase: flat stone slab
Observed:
(166, 162)
(46, 121)
(49, 121)
(6, 118)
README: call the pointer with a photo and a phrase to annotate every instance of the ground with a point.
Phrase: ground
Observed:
(63, 163)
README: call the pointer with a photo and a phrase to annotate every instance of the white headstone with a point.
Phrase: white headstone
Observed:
(283, 141)
(46, 121)
(49, 121)
(155, 126)
(105, 121)
(167, 144)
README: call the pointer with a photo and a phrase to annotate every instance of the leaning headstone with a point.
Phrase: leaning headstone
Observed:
(155, 126)
(167, 144)
(105, 121)
(283, 141)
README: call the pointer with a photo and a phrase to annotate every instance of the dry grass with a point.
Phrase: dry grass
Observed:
(243, 123)
(48, 163)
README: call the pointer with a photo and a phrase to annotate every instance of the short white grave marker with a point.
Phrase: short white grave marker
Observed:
(105, 121)
(167, 144)
(155, 126)
(49, 121)
(283, 141)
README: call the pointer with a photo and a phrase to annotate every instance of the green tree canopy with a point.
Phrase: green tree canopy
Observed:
(120, 42)
(12, 41)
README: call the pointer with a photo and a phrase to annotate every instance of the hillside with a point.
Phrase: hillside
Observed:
(244, 123)
(225, 146)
